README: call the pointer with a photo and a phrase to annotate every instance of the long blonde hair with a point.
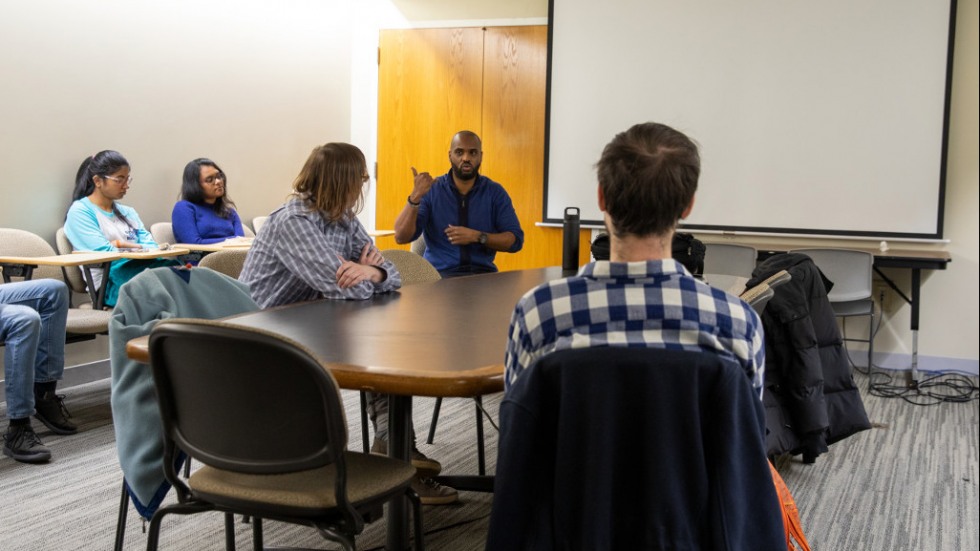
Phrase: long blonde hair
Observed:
(333, 180)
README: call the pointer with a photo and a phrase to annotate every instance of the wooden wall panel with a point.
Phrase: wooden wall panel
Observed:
(514, 77)
(429, 86)
(434, 82)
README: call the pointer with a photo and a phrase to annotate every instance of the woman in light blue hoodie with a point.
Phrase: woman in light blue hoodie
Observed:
(96, 222)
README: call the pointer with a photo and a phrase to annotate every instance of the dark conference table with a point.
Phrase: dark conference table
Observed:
(446, 338)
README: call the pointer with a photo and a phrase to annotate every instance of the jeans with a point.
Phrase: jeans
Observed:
(33, 315)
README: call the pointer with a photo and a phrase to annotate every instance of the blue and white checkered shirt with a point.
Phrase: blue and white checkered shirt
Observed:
(653, 304)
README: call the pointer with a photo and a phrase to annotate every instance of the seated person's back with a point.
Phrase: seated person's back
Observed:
(641, 297)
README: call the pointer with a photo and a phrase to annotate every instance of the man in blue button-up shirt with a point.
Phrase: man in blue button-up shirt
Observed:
(465, 217)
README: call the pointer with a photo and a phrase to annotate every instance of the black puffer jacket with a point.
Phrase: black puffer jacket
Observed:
(810, 396)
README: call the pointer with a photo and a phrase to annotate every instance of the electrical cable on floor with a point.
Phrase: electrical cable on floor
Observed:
(937, 388)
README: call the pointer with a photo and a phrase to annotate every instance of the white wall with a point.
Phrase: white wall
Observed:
(256, 84)
(252, 84)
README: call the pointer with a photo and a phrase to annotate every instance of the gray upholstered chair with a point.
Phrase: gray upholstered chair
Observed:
(851, 272)
(412, 267)
(228, 261)
(258, 222)
(163, 232)
(73, 274)
(416, 269)
(728, 258)
(84, 322)
(213, 381)
(418, 246)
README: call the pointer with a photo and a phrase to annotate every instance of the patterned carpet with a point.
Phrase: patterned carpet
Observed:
(910, 483)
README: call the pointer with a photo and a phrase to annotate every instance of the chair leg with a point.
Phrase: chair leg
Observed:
(257, 543)
(364, 424)
(419, 535)
(121, 522)
(230, 532)
(481, 459)
(435, 420)
(153, 536)
(871, 348)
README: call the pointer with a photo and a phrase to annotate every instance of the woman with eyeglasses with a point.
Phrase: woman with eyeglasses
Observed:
(97, 222)
(205, 213)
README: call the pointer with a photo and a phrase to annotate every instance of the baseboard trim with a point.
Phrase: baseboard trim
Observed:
(932, 364)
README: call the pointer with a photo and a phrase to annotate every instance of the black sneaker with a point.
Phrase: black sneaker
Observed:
(23, 444)
(50, 409)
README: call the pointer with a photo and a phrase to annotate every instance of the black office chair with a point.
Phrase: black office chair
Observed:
(266, 420)
(633, 448)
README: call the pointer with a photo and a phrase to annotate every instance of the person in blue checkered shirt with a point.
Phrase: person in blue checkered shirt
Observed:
(641, 296)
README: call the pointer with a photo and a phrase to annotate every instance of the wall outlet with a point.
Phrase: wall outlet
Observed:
(880, 292)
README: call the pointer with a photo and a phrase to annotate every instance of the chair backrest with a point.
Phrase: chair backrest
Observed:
(248, 231)
(228, 261)
(258, 222)
(221, 390)
(728, 258)
(73, 274)
(16, 242)
(418, 246)
(412, 267)
(81, 321)
(645, 449)
(163, 232)
(848, 269)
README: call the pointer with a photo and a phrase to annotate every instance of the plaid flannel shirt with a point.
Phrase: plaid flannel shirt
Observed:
(639, 304)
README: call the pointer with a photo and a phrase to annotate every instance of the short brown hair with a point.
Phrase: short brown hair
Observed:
(648, 176)
(333, 180)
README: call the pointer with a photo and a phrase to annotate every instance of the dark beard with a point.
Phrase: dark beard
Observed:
(459, 175)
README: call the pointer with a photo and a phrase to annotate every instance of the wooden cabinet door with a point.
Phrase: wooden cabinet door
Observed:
(435, 82)
(430, 85)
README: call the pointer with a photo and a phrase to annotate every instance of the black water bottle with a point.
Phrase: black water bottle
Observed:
(569, 256)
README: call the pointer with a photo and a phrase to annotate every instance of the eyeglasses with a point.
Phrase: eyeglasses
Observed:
(210, 180)
(120, 179)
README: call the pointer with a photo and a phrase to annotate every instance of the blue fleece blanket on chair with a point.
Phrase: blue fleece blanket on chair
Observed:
(151, 296)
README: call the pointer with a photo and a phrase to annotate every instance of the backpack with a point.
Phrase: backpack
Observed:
(685, 248)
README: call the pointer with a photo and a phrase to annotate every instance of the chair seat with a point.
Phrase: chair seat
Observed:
(304, 493)
(87, 321)
(863, 307)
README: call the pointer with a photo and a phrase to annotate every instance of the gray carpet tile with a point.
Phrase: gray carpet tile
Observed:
(910, 483)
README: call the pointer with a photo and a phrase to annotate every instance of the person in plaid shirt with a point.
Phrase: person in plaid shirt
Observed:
(641, 297)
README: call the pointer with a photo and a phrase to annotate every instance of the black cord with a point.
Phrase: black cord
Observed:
(938, 388)
(935, 389)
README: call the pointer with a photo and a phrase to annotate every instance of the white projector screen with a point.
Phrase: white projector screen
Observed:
(823, 118)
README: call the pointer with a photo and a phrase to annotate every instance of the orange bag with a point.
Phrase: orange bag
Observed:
(795, 540)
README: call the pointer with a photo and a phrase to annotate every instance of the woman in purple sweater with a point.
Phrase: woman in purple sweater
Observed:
(205, 214)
